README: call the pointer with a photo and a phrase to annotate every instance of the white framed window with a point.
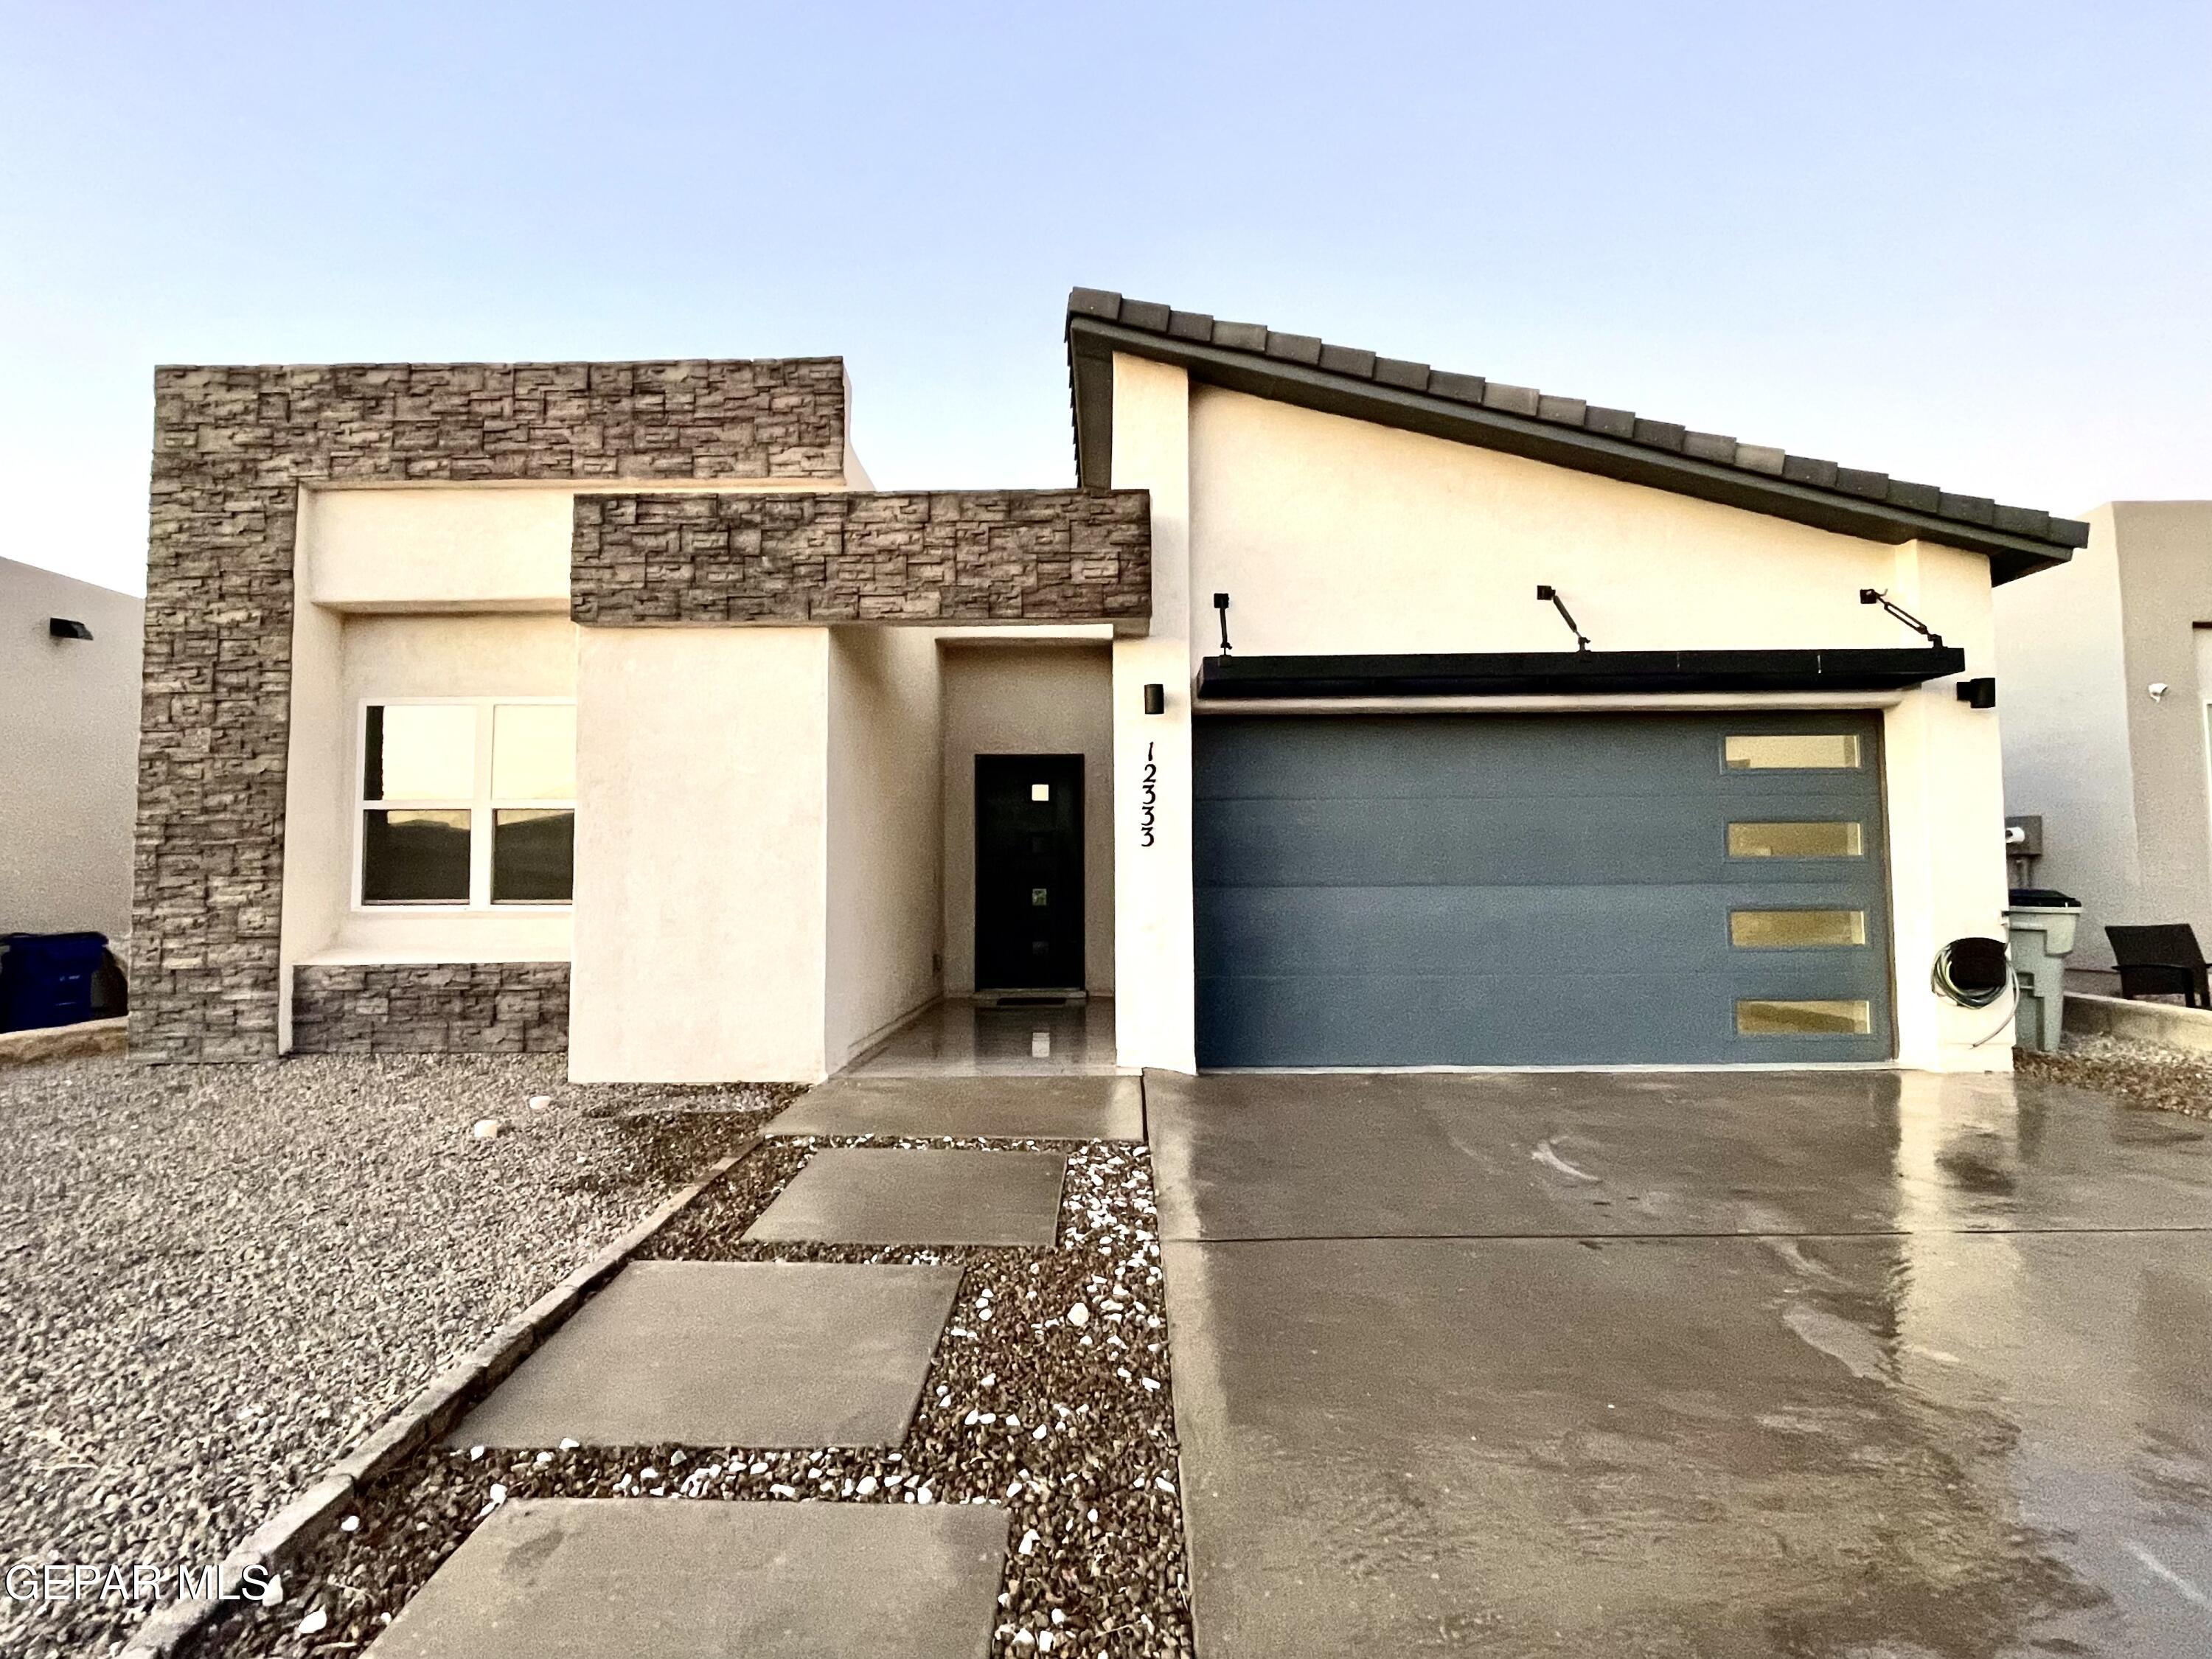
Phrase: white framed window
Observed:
(465, 803)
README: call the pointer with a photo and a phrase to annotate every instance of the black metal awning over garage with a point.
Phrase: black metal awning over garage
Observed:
(1511, 673)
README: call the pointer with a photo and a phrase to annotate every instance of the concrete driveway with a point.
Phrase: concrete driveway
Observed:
(1861, 1364)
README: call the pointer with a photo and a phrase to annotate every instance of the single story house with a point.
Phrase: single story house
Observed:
(2107, 668)
(1345, 712)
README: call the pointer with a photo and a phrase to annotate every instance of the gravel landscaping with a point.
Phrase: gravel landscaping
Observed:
(219, 1279)
(2141, 1073)
(1049, 1394)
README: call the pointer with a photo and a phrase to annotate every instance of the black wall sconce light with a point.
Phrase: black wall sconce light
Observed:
(1221, 605)
(62, 628)
(1978, 694)
(1873, 596)
(1546, 591)
(1156, 699)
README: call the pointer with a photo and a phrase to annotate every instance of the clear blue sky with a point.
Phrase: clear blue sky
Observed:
(1966, 244)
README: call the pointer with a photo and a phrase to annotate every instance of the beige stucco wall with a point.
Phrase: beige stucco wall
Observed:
(1335, 535)
(883, 822)
(69, 754)
(2065, 695)
(1154, 1013)
(339, 663)
(1042, 699)
(701, 855)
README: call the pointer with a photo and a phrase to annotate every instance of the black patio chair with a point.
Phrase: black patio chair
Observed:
(2161, 960)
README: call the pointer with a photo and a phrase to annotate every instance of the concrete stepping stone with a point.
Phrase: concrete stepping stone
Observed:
(672, 1579)
(971, 1108)
(870, 1195)
(729, 1353)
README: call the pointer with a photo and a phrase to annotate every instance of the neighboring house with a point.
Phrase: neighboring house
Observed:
(68, 752)
(608, 705)
(2108, 670)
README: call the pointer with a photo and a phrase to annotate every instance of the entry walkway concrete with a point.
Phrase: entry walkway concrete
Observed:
(867, 1195)
(648, 1578)
(970, 1108)
(961, 1037)
(729, 1353)
(1721, 1364)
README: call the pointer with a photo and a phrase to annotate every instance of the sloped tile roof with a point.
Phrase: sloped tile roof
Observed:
(1302, 368)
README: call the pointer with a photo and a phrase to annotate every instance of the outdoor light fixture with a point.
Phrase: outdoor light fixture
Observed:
(1221, 604)
(1546, 591)
(1156, 699)
(1870, 596)
(62, 628)
(1978, 694)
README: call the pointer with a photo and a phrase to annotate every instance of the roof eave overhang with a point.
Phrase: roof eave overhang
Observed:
(1572, 673)
(1091, 343)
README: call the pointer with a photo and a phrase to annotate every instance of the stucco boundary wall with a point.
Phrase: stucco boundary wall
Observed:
(234, 448)
(940, 557)
(284, 1536)
(2168, 1023)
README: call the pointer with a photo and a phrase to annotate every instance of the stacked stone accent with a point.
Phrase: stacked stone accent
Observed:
(1044, 556)
(232, 449)
(431, 1008)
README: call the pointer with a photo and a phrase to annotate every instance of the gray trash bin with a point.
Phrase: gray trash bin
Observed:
(2039, 927)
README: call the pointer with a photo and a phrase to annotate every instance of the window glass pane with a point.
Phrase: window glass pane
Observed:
(533, 752)
(414, 857)
(1794, 750)
(1797, 841)
(533, 853)
(420, 751)
(1815, 1018)
(1785, 929)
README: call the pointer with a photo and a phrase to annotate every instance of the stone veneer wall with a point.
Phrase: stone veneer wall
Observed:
(232, 449)
(1059, 556)
(430, 1008)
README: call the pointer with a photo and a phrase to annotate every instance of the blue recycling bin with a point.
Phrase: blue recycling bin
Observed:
(46, 978)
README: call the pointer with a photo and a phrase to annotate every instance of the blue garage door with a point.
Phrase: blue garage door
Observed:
(1540, 890)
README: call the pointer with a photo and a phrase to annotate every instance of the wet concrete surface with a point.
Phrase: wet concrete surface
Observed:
(1556, 1153)
(1897, 1366)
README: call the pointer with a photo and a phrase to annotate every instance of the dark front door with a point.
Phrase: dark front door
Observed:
(1029, 873)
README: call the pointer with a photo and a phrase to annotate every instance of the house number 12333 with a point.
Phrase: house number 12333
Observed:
(1152, 798)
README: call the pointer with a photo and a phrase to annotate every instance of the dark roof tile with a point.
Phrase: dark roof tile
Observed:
(1344, 360)
(1567, 411)
(1803, 469)
(1855, 481)
(1918, 497)
(1241, 336)
(1396, 371)
(1191, 325)
(1094, 302)
(2023, 520)
(1761, 458)
(1459, 388)
(1294, 348)
(1143, 313)
(1709, 446)
(1612, 422)
(1660, 434)
(1513, 399)
(1971, 509)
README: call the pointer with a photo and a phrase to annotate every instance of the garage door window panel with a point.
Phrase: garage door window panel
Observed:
(1792, 751)
(1806, 839)
(1796, 930)
(1758, 1016)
